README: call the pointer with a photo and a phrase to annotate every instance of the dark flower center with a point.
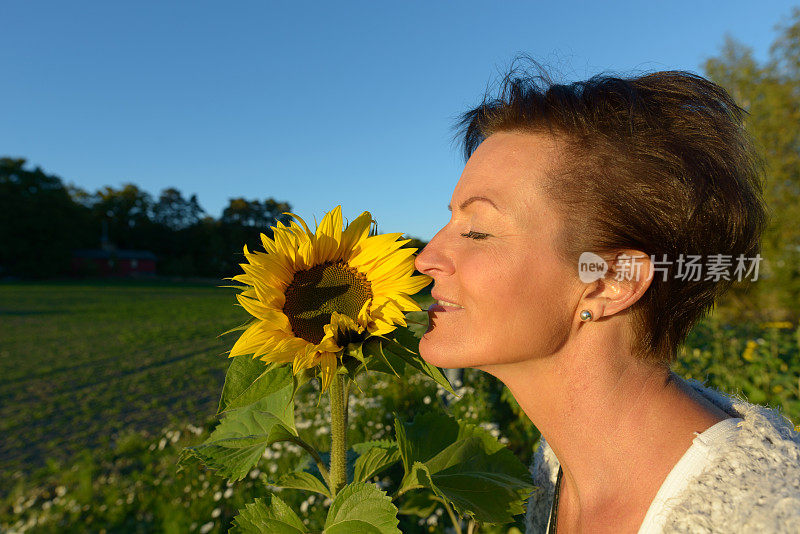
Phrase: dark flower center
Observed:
(315, 294)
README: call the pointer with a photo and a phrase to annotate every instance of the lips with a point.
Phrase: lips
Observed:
(444, 304)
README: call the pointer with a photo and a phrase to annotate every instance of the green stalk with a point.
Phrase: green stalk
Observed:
(456, 522)
(338, 434)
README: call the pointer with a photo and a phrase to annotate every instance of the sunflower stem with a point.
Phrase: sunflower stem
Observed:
(338, 471)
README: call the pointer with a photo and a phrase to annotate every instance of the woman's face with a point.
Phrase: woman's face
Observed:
(496, 261)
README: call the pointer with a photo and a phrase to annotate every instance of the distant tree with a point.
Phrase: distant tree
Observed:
(770, 92)
(242, 222)
(39, 223)
(127, 212)
(42, 221)
(176, 212)
(253, 213)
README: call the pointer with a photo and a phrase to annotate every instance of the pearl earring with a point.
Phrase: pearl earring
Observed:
(586, 315)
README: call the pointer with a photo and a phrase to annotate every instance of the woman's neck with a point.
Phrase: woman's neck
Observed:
(617, 426)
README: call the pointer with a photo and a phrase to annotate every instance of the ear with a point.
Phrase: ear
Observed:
(628, 277)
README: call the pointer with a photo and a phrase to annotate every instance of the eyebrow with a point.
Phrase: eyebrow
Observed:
(470, 200)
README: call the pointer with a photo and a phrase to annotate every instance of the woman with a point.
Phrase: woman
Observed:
(633, 177)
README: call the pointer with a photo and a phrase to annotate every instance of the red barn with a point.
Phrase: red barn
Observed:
(100, 262)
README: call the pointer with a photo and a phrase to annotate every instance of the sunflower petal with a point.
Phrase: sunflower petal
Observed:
(399, 264)
(243, 279)
(355, 232)
(405, 303)
(409, 285)
(304, 359)
(374, 248)
(329, 235)
(273, 317)
(327, 369)
(301, 221)
(268, 244)
(250, 340)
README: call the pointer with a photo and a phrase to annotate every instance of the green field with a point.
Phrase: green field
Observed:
(101, 380)
(80, 363)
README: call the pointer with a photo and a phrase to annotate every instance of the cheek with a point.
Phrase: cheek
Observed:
(535, 305)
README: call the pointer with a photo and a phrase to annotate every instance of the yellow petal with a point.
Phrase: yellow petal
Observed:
(267, 274)
(268, 244)
(301, 221)
(405, 303)
(374, 248)
(273, 317)
(409, 285)
(378, 328)
(250, 340)
(395, 266)
(304, 359)
(306, 256)
(268, 295)
(363, 314)
(243, 279)
(355, 232)
(331, 224)
(327, 369)
(391, 311)
(329, 236)
(278, 264)
(286, 242)
(343, 322)
(278, 358)
(284, 350)
(328, 342)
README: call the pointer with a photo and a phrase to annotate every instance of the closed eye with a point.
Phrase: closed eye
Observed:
(475, 235)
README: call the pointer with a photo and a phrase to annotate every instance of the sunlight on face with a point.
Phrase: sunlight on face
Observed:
(507, 296)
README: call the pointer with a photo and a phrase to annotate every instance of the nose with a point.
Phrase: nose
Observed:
(432, 259)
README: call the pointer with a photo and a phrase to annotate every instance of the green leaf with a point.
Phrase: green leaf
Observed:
(381, 362)
(354, 360)
(429, 434)
(375, 458)
(249, 380)
(364, 446)
(361, 509)
(278, 518)
(243, 434)
(417, 324)
(410, 335)
(302, 480)
(419, 503)
(416, 361)
(465, 465)
(300, 379)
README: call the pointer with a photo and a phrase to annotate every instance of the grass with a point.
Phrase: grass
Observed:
(83, 362)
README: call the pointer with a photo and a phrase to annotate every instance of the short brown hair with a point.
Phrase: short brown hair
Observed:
(659, 163)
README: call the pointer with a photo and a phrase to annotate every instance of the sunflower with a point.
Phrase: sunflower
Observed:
(312, 293)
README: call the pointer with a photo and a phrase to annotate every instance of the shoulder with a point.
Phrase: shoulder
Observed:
(544, 470)
(753, 482)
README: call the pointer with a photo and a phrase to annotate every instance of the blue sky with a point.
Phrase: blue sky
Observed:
(314, 103)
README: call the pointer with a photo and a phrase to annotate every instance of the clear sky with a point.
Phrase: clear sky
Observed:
(314, 103)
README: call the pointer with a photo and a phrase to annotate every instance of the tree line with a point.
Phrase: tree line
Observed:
(43, 221)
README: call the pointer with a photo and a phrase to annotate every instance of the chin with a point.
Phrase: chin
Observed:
(445, 355)
(437, 355)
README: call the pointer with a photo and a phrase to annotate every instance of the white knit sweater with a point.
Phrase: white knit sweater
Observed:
(753, 484)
